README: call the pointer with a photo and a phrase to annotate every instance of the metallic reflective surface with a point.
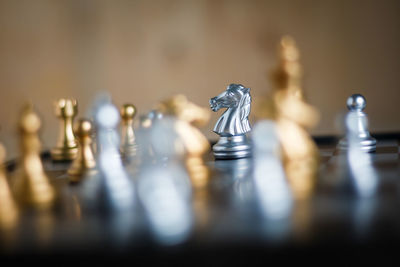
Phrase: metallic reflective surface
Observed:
(233, 123)
(293, 118)
(8, 209)
(232, 147)
(356, 102)
(247, 202)
(85, 163)
(32, 187)
(356, 123)
(115, 187)
(67, 147)
(272, 188)
(165, 202)
(164, 186)
(128, 140)
(188, 117)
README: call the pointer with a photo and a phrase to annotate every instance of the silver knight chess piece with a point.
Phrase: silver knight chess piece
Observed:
(356, 122)
(233, 125)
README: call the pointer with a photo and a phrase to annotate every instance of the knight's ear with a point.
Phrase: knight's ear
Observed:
(246, 90)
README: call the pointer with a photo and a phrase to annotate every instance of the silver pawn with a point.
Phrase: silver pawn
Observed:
(117, 187)
(357, 126)
(233, 125)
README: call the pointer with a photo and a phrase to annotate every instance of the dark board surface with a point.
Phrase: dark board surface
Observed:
(228, 222)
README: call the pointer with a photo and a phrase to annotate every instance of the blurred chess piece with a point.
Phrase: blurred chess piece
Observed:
(271, 187)
(116, 187)
(145, 151)
(357, 125)
(85, 163)
(32, 187)
(233, 124)
(293, 117)
(128, 144)
(66, 148)
(8, 209)
(189, 116)
(164, 185)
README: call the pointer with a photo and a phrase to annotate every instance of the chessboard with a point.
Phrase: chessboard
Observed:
(226, 214)
(159, 191)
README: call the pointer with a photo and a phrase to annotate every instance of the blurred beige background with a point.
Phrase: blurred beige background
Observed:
(145, 51)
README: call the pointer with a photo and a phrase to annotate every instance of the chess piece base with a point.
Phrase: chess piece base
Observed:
(129, 151)
(232, 147)
(367, 144)
(61, 154)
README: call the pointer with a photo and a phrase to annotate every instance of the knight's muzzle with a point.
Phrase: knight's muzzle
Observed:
(213, 103)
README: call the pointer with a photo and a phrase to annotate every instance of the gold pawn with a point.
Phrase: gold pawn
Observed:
(8, 208)
(32, 187)
(84, 164)
(66, 148)
(128, 140)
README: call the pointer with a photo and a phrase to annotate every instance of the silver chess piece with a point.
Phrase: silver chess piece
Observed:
(233, 125)
(116, 186)
(357, 126)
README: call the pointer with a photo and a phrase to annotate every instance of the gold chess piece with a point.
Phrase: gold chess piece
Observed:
(66, 148)
(85, 163)
(8, 209)
(32, 187)
(293, 117)
(190, 116)
(128, 140)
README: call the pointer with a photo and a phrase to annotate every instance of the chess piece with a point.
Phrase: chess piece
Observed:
(233, 125)
(66, 148)
(128, 144)
(293, 117)
(145, 151)
(357, 125)
(32, 187)
(115, 186)
(84, 164)
(189, 116)
(271, 187)
(164, 185)
(8, 208)
(363, 174)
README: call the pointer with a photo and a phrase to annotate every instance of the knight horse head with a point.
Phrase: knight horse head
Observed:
(234, 121)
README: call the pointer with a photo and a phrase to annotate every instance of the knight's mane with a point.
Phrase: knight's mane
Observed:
(244, 104)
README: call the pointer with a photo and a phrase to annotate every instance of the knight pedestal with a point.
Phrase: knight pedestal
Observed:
(232, 147)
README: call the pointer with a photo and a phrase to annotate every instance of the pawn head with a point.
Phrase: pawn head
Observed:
(107, 116)
(356, 102)
(29, 121)
(83, 128)
(128, 111)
